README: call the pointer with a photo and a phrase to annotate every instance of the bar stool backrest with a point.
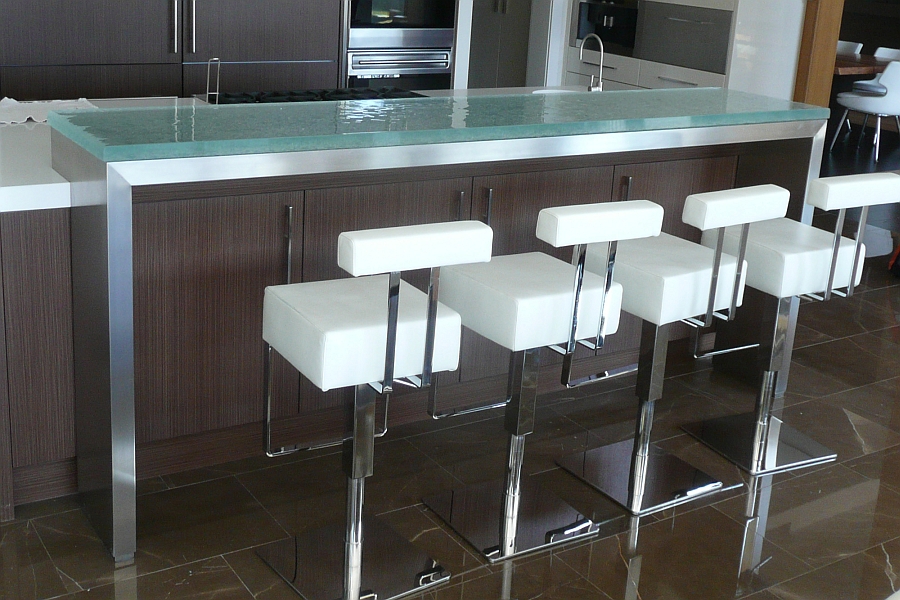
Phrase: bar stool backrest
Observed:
(395, 249)
(852, 191)
(718, 210)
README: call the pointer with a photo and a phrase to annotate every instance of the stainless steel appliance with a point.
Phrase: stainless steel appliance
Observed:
(614, 22)
(401, 43)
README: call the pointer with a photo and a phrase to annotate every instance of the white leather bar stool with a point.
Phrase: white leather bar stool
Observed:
(525, 302)
(786, 259)
(368, 332)
(668, 279)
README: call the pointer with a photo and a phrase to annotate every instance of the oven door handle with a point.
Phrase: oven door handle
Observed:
(402, 63)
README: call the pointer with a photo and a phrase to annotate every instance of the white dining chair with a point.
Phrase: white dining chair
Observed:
(887, 105)
(873, 86)
(849, 47)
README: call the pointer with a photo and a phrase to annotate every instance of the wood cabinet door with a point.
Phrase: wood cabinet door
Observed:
(90, 81)
(239, 30)
(200, 268)
(513, 59)
(88, 32)
(514, 202)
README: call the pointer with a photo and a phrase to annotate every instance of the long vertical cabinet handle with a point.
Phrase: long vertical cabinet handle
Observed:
(289, 241)
(175, 32)
(460, 215)
(490, 206)
(193, 26)
(629, 181)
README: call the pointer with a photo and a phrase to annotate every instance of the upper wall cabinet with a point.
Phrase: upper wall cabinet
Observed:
(88, 32)
(275, 30)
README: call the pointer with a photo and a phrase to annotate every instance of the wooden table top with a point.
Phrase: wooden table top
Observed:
(858, 64)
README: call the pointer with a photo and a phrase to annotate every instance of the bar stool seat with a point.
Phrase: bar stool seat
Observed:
(786, 259)
(366, 332)
(334, 332)
(666, 280)
(525, 302)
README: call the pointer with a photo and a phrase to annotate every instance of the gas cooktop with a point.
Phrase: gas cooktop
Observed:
(314, 95)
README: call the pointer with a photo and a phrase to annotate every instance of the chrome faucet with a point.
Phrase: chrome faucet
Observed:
(598, 86)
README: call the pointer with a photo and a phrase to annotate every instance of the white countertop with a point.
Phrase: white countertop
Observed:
(27, 181)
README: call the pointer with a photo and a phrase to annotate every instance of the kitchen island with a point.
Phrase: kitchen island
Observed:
(180, 216)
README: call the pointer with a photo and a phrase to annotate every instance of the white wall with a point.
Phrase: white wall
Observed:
(765, 46)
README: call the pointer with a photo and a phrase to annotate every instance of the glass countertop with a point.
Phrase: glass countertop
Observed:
(194, 130)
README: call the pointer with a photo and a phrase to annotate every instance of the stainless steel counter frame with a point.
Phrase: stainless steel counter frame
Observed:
(103, 281)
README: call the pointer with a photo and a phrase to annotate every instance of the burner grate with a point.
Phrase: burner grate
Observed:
(315, 95)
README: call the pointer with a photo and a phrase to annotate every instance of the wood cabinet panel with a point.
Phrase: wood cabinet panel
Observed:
(237, 30)
(200, 270)
(87, 32)
(37, 297)
(7, 513)
(263, 77)
(90, 81)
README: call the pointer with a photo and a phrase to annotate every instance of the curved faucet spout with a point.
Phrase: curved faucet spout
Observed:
(598, 85)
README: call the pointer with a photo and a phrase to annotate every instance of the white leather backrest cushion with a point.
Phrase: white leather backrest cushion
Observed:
(592, 223)
(712, 210)
(373, 251)
(848, 191)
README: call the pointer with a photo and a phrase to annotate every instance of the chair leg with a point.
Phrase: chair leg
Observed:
(862, 131)
(877, 136)
(840, 126)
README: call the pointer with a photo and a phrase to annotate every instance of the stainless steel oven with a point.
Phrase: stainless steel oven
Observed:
(400, 43)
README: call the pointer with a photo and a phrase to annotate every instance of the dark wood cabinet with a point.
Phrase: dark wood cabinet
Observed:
(499, 45)
(37, 312)
(87, 32)
(242, 30)
(200, 270)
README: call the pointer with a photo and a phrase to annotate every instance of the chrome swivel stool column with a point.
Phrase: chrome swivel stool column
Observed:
(785, 259)
(525, 302)
(368, 332)
(667, 279)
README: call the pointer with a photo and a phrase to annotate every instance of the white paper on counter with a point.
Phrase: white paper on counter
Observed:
(13, 112)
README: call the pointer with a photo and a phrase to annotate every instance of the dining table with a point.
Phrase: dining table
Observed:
(859, 64)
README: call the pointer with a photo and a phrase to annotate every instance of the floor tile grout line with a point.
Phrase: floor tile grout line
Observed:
(262, 506)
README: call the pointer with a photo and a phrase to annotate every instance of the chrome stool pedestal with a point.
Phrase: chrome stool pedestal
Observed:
(515, 515)
(656, 479)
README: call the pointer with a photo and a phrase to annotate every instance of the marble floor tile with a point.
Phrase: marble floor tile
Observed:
(826, 515)
(870, 575)
(846, 364)
(882, 466)
(879, 402)
(806, 336)
(174, 528)
(26, 570)
(211, 579)
(843, 317)
(699, 554)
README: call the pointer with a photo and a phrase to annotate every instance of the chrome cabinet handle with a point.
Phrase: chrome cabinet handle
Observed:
(490, 206)
(175, 32)
(673, 80)
(460, 216)
(629, 180)
(691, 21)
(193, 26)
(289, 241)
(610, 68)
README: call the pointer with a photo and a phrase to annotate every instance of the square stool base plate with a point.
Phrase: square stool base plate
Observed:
(670, 480)
(732, 437)
(313, 563)
(545, 520)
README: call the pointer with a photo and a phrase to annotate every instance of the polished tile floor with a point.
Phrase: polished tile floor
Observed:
(827, 533)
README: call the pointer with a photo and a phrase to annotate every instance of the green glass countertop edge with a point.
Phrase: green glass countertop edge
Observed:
(126, 134)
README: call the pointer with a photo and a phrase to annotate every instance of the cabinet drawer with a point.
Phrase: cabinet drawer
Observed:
(656, 75)
(623, 69)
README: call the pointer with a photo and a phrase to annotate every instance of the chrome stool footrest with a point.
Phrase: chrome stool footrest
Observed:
(786, 448)
(311, 563)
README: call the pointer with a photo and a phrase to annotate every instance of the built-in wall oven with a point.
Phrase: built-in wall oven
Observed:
(614, 21)
(401, 43)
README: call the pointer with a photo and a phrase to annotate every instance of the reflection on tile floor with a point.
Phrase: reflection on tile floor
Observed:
(831, 532)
